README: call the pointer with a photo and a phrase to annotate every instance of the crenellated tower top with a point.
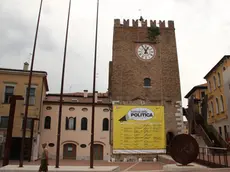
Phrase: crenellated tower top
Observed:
(145, 23)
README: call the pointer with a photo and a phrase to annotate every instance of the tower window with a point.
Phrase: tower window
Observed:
(147, 82)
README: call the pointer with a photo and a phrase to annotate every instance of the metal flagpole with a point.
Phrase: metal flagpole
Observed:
(61, 95)
(28, 92)
(94, 85)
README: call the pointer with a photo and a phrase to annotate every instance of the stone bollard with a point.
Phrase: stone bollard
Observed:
(154, 160)
(140, 159)
(125, 160)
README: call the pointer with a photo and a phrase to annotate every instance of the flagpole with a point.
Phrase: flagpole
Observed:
(61, 94)
(28, 91)
(94, 86)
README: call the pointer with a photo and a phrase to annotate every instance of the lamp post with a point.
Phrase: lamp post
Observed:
(94, 86)
(8, 142)
(61, 94)
(28, 91)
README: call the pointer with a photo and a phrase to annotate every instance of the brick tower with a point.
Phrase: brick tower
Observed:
(146, 73)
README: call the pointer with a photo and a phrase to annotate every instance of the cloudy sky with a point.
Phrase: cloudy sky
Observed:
(202, 32)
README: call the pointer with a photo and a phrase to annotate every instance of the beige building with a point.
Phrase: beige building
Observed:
(15, 82)
(76, 125)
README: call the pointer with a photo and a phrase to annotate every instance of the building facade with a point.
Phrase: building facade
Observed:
(76, 125)
(15, 82)
(146, 72)
(218, 79)
(197, 93)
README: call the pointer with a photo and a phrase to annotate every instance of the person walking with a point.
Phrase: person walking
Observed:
(44, 159)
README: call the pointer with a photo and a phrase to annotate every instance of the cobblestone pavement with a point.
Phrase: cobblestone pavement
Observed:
(124, 166)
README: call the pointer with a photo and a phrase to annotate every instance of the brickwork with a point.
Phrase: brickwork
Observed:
(127, 71)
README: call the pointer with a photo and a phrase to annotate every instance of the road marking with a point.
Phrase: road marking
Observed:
(131, 167)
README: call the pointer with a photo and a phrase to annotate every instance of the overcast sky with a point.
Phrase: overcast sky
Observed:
(202, 33)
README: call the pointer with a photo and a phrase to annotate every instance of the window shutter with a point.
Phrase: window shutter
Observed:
(74, 125)
(66, 123)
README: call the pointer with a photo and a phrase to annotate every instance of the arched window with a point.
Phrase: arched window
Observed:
(210, 86)
(214, 82)
(217, 106)
(219, 80)
(84, 123)
(147, 82)
(70, 123)
(212, 113)
(105, 124)
(221, 104)
(47, 122)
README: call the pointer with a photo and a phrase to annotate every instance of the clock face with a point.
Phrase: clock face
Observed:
(145, 51)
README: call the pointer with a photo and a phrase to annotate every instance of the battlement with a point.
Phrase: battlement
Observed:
(145, 23)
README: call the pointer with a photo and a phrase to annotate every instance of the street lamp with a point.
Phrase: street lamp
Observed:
(8, 142)
(61, 95)
(28, 91)
(94, 86)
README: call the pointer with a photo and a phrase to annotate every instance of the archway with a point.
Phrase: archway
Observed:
(169, 137)
(98, 152)
(69, 151)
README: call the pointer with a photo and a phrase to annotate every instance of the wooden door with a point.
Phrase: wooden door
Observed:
(98, 152)
(69, 151)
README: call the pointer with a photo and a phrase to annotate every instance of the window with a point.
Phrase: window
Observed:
(221, 104)
(212, 113)
(210, 86)
(84, 122)
(9, 91)
(202, 94)
(105, 110)
(70, 123)
(105, 125)
(217, 106)
(51, 145)
(147, 82)
(71, 109)
(32, 95)
(220, 131)
(214, 82)
(29, 123)
(219, 80)
(4, 121)
(48, 108)
(47, 122)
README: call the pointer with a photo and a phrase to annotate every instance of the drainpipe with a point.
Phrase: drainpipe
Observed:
(39, 121)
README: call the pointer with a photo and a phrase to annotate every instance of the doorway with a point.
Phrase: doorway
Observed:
(98, 152)
(69, 151)
(169, 137)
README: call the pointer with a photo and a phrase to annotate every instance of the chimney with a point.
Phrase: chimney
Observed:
(26, 66)
(85, 93)
(96, 96)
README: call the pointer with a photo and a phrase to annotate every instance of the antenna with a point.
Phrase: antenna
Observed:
(141, 18)
(70, 88)
(29, 57)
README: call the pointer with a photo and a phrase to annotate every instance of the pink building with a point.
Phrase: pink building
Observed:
(76, 125)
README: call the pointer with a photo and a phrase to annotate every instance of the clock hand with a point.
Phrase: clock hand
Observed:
(143, 47)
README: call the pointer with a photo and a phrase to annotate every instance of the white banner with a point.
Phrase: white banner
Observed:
(139, 151)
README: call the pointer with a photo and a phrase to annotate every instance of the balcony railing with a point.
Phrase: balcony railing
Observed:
(213, 157)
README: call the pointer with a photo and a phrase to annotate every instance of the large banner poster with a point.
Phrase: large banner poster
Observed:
(138, 129)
